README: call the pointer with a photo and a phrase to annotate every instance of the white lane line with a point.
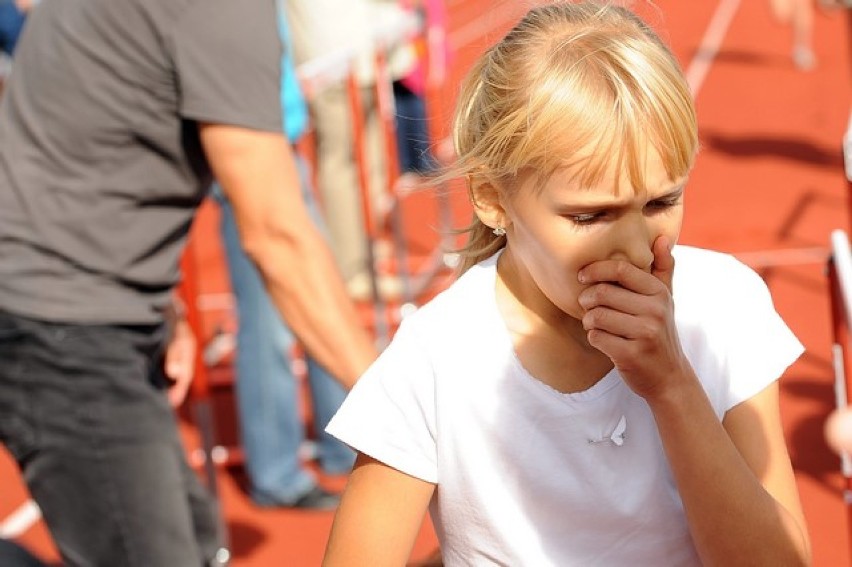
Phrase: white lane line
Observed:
(20, 520)
(783, 257)
(710, 44)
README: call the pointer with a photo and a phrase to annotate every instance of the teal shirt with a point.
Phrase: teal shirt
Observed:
(293, 105)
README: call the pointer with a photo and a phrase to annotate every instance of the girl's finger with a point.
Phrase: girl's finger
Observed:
(664, 262)
(615, 297)
(620, 272)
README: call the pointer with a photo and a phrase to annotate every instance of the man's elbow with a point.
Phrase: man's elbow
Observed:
(261, 247)
(272, 243)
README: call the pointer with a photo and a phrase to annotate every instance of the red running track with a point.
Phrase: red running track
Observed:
(768, 186)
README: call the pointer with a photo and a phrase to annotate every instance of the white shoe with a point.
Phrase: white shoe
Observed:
(804, 58)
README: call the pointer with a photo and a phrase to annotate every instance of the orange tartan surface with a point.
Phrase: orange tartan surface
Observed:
(769, 178)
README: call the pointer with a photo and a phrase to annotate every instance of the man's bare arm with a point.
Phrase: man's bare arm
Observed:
(259, 177)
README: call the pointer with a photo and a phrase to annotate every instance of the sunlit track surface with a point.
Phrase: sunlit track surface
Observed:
(768, 186)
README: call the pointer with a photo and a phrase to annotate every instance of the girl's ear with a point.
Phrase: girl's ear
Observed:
(487, 202)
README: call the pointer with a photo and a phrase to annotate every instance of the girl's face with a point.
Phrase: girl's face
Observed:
(554, 231)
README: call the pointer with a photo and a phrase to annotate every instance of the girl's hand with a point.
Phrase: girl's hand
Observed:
(630, 318)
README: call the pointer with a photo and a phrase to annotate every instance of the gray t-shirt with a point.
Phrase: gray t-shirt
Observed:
(101, 169)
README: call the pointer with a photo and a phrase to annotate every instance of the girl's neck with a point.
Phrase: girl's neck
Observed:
(551, 345)
(527, 310)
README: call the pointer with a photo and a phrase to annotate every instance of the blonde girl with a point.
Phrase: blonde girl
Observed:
(586, 393)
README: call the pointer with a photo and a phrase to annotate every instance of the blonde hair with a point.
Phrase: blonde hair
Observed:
(583, 85)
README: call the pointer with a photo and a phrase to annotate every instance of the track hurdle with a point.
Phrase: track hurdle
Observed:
(840, 293)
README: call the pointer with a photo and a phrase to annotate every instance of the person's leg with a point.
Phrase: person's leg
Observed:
(84, 415)
(798, 14)
(376, 150)
(271, 425)
(412, 131)
(338, 180)
(13, 555)
(802, 21)
(205, 513)
(327, 394)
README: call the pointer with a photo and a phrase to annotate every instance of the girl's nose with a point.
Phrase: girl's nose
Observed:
(634, 242)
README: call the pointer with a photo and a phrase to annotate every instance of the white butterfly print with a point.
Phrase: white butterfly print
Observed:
(617, 436)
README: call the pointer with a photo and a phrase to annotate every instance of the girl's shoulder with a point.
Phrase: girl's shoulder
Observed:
(464, 303)
(713, 282)
(701, 267)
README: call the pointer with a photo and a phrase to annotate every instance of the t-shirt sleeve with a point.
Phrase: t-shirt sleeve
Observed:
(390, 412)
(729, 328)
(227, 55)
(759, 344)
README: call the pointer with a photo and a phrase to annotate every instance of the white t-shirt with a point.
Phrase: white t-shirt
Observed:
(527, 475)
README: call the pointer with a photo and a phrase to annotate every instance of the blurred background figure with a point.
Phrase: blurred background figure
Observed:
(269, 400)
(799, 16)
(349, 28)
(417, 157)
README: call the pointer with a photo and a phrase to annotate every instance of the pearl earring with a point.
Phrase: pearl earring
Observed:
(499, 231)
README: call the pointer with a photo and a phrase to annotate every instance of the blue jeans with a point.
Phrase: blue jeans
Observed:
(11, 24)
(83, 412)
(412, 134)
(268, 397)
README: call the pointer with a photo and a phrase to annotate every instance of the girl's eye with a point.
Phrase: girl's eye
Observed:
(662, 204)
(585, 218)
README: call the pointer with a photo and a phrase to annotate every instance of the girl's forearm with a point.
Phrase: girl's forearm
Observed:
(733, 519)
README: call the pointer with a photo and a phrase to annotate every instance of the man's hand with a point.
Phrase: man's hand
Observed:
(630, 318)
(180, 360)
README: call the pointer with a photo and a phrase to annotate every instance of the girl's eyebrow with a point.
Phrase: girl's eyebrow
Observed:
(616, 202)
(674, 193)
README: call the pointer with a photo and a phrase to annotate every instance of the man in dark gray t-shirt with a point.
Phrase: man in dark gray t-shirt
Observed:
(115, 116)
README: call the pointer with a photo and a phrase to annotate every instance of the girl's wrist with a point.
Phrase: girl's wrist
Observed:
(676, 393)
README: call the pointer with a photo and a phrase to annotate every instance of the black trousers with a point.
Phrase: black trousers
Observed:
(13, 555)
(83, 412)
